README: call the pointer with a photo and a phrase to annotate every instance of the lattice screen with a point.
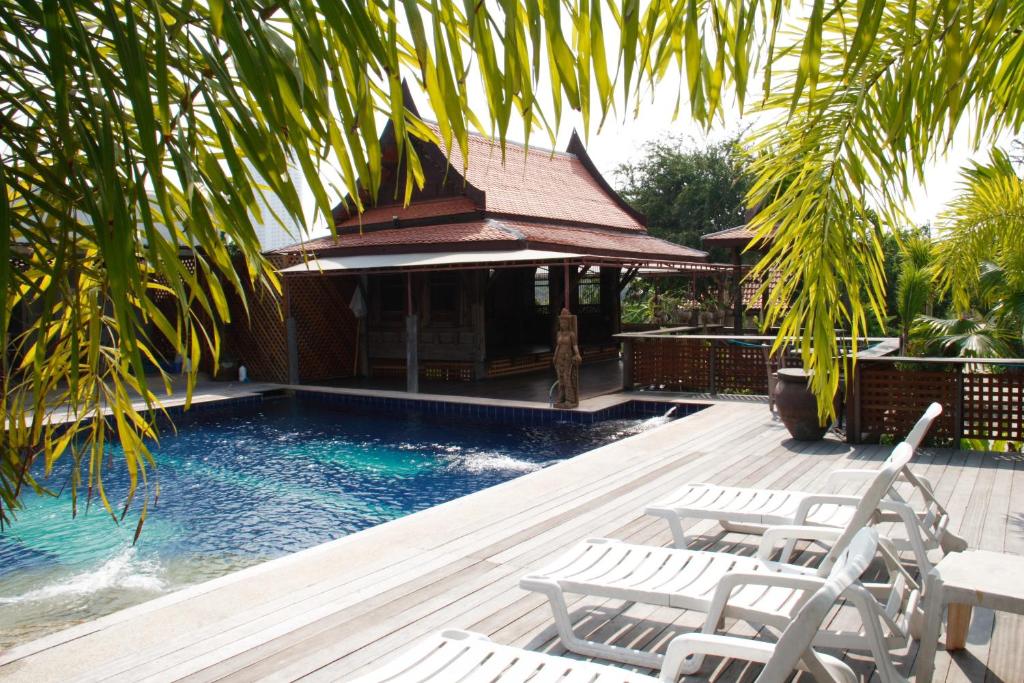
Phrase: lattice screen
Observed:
(994, 405)
(740, 369)
(259, 339)
(680, 363)
(892, 399)
(325, 326)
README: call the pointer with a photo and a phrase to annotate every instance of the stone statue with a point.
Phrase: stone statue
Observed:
(567, 360)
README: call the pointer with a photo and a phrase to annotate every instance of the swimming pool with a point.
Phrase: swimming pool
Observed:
(245, 484)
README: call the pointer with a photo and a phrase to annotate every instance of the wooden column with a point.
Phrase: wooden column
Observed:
(291, 335)
(737, 298)
(364, 345)
(479, 320)
(412, 360)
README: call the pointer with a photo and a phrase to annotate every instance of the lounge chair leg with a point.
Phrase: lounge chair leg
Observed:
(867, 605)
(589, 648)
(917, 623)
(675, 523)
(913, 530)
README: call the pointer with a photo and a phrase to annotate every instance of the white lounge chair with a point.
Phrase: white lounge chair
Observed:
(463, 656)
(751, 510)
(703, 580)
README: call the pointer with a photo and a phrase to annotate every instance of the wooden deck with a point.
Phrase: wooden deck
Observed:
(344, 607)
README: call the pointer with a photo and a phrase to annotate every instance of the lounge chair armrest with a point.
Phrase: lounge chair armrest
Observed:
(697, 644)
(702, 644)
(734, 580)
(775, 535)
(809, 502)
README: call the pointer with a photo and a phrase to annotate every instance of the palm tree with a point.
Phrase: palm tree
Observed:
(913, 285)
(133, 130)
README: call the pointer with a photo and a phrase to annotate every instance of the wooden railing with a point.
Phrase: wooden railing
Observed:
(981, 398)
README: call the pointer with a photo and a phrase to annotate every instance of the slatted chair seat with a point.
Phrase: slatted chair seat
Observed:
(454, 655)
(765, 507)
(909, 503)
(695, 579)
(685, 579)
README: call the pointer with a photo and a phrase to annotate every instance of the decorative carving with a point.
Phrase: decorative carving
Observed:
(567, 360)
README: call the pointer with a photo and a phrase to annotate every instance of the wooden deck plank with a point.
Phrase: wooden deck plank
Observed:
(343, 607)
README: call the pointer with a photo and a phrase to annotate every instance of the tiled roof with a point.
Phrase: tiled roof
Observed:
(380, 240)
(494, 233)
(545, 235)
(416, 211)
(751, 299)
(738, 236)
(539, 183)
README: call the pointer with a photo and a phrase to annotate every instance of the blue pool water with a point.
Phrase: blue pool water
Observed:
(244, 485)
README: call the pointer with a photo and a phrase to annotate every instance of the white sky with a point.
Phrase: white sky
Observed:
(623, 136)
(622, 139)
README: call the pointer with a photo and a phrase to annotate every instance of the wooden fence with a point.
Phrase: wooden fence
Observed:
(698, 363)
(981, 398)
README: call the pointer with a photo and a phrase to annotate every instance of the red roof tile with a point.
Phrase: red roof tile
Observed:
(539, 183)
(416, 211)
(499, 234)
(739, 236)
(417, 237)
(602, 242)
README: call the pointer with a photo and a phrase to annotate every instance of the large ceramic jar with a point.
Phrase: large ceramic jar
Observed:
(797, 405)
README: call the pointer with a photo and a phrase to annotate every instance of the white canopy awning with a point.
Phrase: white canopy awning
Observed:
(427, 260)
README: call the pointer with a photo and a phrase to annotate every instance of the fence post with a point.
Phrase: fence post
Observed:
(958, 407)
(853, 406)
(627, 364)
(712, 363)
(293, 350)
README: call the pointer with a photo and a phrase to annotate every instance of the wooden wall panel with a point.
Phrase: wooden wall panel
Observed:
(325, 326)
(893, 398)
(258, 337)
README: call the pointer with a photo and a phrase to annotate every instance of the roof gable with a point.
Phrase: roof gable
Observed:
(542, 184)
(530, 183)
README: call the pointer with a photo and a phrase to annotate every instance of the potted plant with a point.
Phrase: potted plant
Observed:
(797, 405)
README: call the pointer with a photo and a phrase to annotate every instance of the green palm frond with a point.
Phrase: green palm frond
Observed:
(1002, 286)
(975, 336)
(985, 223)
(135, 130)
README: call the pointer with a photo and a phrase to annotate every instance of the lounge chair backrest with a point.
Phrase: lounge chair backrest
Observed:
(865, 511)
(795, 642)
(923, 424)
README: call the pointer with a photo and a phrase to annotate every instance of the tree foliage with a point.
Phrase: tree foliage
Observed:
(687, 191)
(913, 285)
(982, 227)
(132, 130)
(977, 263)
(135, 131)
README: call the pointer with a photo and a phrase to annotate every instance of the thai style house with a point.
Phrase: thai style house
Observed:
(466, 281)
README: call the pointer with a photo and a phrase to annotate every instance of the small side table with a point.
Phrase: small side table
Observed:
(964, 580)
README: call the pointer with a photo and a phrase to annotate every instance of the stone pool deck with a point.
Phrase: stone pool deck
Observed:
(338, 609)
